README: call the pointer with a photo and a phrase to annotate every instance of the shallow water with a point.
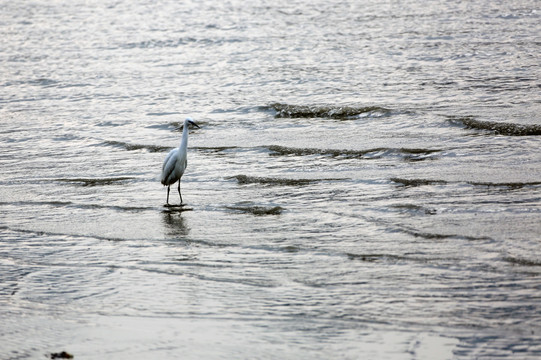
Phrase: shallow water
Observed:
(366, 182)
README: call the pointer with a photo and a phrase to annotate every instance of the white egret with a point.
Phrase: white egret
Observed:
(176, 161)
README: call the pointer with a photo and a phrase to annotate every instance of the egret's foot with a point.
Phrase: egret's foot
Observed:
(176, 209)
(174, 206)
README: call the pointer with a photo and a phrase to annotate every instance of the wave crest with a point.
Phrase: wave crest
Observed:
(95, 181)
(332, 112)
(421, 182)
(508, 129)
(132, 147)
(273, 181)
(277, 150)
(258, 210)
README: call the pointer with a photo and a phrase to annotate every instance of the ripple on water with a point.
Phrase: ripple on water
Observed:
(500, 128)
(95, 181)
(406, 153)
(258, 210)
(331, 112)
(132, 147)
(244, 179)
(348, 215)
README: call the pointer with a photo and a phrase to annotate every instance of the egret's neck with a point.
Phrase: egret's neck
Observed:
(184, 140)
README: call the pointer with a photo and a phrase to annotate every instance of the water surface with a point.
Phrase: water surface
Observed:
(366, 182)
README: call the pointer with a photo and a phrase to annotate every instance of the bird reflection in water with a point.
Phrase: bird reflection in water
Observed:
(174, 222)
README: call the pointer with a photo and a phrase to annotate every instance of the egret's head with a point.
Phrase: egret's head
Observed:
(189, 121)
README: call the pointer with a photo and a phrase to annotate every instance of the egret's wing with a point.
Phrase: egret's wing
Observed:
(168, 157)
(168, 166)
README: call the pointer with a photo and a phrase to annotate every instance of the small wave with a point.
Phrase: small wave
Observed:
(47, 83)
(150, 44)
(438, 236)
(420, 182)
(412, 208)
(44, 82)
(417, 182)
(157, 148)
(258, 210)
(522, 261)
(41, 233)
(162, 113)
(393, 258)
(34, 203)
(377, 152)
(244, 179)
(173, 43)
(114, 207)
(283, 150)
(332, 112)
(500, 128)
(511, 185)
(214, 149)
(110, 123)
(290, 248)
(94, 181)
(132, 147)
(372, 257)
(70, 204)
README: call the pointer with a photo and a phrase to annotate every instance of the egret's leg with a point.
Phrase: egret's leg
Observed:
(168, 186)
(179, 192)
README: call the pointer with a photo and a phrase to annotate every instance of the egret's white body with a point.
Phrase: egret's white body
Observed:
(176, 161)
